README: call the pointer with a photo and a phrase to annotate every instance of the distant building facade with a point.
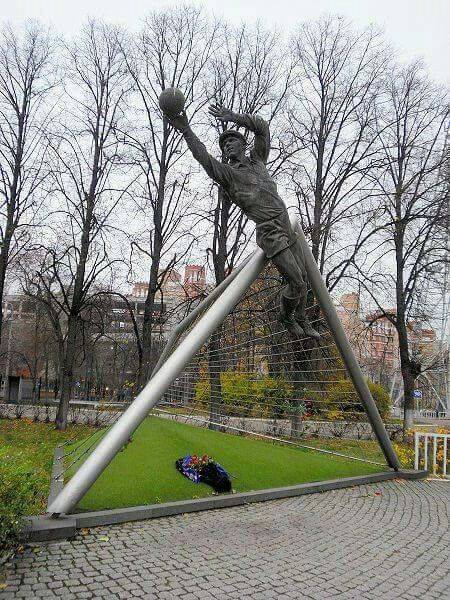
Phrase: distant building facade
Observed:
(18, 339)
(375, 342)
(29, 354)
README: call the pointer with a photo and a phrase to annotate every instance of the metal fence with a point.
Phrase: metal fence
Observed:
(430, 452)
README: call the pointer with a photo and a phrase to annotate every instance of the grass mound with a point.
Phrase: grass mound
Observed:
(144, 472)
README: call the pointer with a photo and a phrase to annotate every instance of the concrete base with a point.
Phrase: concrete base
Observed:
(412, 474)
(44, 528)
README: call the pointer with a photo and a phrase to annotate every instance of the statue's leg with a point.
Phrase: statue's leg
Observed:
(290, 264)
(301, 310)
(298, 255)
(290, 295)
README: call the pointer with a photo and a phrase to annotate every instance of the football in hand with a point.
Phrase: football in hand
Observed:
(172, 101)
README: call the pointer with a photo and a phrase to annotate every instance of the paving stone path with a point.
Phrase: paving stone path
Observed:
(387, 540)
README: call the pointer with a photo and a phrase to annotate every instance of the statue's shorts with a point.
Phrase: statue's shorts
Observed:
(275, 235)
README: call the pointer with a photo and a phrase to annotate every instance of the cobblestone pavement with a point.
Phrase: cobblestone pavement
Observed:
(387, 540)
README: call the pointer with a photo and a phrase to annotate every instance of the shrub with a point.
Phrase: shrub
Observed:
(242, 396)
(273, 395)
(22, 492)
(381, 397)
(202, 392)
(238, 392)
(339, 401)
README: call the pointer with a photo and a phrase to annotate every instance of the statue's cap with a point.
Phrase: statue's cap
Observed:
(231, 133)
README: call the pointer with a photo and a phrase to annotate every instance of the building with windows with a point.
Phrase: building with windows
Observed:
(375, 342)
(107, 349)
(20, 339)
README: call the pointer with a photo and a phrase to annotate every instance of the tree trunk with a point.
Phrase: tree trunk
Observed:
(407, 376)
(76, 307)
(221, 217)
(147, 330)
(408, 387)
(215, 369)
(4, 254)
(301, 365)
(67, 372)
(318, 192)
(12, 201)
(405, 361)
(147, 325)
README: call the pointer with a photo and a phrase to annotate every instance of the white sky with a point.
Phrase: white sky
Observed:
(418, 28)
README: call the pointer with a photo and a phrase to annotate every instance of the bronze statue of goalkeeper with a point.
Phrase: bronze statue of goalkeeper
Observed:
(248, 184)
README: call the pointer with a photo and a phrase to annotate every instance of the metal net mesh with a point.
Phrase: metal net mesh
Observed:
(252, 377)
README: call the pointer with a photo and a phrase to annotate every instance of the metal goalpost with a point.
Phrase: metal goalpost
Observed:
(173, 360)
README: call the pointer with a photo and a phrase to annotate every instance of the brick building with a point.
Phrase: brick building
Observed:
(375, 342)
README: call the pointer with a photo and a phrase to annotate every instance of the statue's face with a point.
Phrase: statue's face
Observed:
(233, 148)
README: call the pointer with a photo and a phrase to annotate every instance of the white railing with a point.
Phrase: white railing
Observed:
(438, 442)
(424, 413)
(434, 414)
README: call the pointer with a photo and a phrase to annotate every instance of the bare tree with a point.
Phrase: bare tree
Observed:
(26, 75)
(172, 50)
(249, 74)
(412, 213)
(332, 116)
(84, 154)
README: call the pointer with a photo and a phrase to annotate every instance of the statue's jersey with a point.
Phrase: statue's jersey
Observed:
(249, 186)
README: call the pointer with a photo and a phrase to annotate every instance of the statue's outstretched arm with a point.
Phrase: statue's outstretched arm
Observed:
(218, 171)
(254, 123)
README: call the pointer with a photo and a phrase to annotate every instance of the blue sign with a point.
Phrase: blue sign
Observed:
(417, 394)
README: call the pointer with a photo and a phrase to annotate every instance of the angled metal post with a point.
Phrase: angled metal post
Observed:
(326, 304)
(190, 318)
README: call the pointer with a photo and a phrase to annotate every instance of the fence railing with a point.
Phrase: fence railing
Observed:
(423, 413)
(430, 452)
(434, 414)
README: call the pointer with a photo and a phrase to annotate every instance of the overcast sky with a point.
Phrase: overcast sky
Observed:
(419, 28)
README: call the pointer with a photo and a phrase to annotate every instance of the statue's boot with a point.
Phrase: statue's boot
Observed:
(287, 315)
(304, 322)
(309, 329)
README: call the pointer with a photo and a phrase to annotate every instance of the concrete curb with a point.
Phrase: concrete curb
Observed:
(411, 474)
(44, 528)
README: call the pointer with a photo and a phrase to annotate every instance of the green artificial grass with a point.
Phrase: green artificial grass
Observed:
(144, 471)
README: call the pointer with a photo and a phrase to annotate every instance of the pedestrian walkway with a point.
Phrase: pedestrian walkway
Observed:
(387, 540)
